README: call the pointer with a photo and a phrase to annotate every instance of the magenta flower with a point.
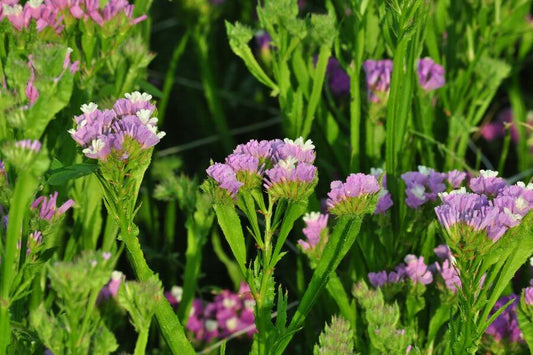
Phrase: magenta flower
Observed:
(528, 296)
(315, 224)
(352, 196)
(49, 209)
(430, 74)
(417, 270)
(290, 179)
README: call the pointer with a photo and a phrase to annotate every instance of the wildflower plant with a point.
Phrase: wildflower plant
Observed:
(121, 140)
(289, 176)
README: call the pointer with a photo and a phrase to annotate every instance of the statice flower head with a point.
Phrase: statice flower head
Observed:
(423, 186)
(528, 296)
(506, 326)
(290, 179)
(125, 133)
(455, 178)
(48, 207)
(487, 183)
(430, 74)
(246, 168)
(378, 79)
(417, 270)
(315, 231)
(378, 279)
(357, 196)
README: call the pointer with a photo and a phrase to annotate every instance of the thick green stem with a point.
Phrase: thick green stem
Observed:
(142, 340)
(169, 323)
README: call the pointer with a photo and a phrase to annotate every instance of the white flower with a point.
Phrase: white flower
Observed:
(231, 324)
(521, 203)
(418, 191)
(88, 108)
(289, 163)
(299, 142)
(144, 115)
(96, 146)
(376, 171)
(116, 275)
(424, 170)
(177, 292)
(12, 10)
(249, 304)
(136, 96)
(35, 3)
(211, 325)
(488, 173)
(311, 217)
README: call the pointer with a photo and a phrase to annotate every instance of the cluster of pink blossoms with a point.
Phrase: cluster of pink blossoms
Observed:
(105, 132)
(53, 13)
(493, 206)
(416, 270)
(227, 314)
(284, 167)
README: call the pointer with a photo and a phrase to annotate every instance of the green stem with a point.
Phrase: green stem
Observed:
(21, 200)
(142, 340)
(169, 323)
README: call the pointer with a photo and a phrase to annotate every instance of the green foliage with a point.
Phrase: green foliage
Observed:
(335, 339)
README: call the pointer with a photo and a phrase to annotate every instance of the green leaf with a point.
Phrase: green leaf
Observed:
(230, 223)
(61, 176)
(293, 212)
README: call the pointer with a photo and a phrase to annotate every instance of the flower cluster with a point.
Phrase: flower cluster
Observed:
(284, 167)
(478, 212)
(425, 184)
(315, 227)
(446, 269)
(506, 324)
(55, 14)
(338, 80)
(227, 314)
(48, 206)
(359, 193)
(378, 77)
(119, 132)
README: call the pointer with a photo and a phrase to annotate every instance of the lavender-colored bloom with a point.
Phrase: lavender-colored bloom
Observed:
(455, 178)
(261, 150)
(225, 177)
(356, 186)
(506, 324)
(417, 270)
(487, 183)
(338, 80)
(397, 275)
(430, 74)
(31, 91)
(290, 178)
(422, 186)
(315, 224)
(450, 275)
(378, 78)
(49, 208)
(243, 162)
(302, 151)
(443, 251)
(385, 199)
(378, 279)
(102, 132)
(28, 144)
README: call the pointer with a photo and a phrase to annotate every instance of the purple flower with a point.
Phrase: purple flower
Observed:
(506, 324)
(350, 197)
(455, 178)
(111, 289)
(487, 183)
(243, 162)
(261, 150)
(378, 279)
(338, 80)
(417, 270)
(378, 78)
(102, 133)
(290, 179)
(28, 144)
(48, 209)
(385, 199)
(302, 151)
(450, 275)
(315, 224)
(397, 275)
(422, 186)
(443, 251)
(225, 177)
(430, 74)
